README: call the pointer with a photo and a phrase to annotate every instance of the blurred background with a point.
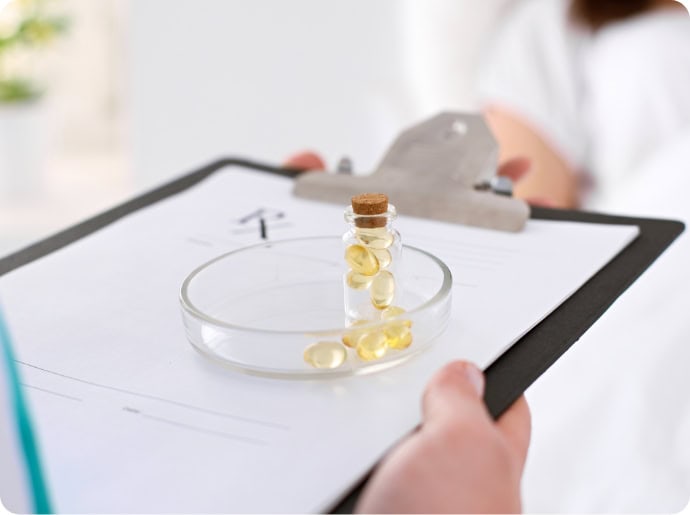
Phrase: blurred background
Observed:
(124, 94)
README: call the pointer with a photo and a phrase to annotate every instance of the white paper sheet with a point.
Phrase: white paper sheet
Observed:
(131, 418)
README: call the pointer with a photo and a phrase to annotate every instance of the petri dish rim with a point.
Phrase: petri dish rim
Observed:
(192, 310)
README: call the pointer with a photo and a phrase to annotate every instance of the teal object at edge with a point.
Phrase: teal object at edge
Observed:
(39, 491)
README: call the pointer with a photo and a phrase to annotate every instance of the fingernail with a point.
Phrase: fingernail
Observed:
(476, 378)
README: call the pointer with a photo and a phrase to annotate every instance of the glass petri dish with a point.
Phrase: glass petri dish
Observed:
(258, 308)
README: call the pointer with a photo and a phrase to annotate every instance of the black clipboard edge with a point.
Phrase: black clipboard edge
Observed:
(515, 370)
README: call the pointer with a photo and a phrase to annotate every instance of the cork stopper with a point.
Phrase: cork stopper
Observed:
(368, 204)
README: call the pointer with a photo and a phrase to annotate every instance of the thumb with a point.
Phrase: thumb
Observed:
(454, 393)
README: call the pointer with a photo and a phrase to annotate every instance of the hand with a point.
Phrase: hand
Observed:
(460, 460)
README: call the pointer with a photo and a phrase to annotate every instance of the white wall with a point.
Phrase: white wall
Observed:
(443, 45)
(264, 78)
(261, 78)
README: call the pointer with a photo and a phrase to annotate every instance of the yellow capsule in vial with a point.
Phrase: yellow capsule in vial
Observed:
(382, 289)
(361, 260)
(325, 354)
(371, 346)
(375, 238)
(383, 256)
(398, 334)
(358, 281)
(391, 312)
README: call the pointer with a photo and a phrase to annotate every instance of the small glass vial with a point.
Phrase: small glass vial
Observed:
(373, 250)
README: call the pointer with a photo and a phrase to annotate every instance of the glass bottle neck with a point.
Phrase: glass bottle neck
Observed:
(383, 220)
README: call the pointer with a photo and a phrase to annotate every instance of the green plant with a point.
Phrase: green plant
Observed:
(26, 28)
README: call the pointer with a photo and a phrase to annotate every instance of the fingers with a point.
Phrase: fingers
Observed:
(305, 161)
(541, 202)
(454, 392)
(516, 426)
(515, 168)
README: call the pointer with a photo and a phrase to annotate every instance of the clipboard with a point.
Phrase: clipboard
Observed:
(515, 370)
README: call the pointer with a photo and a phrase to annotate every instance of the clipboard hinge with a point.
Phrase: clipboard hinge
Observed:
(443, 169)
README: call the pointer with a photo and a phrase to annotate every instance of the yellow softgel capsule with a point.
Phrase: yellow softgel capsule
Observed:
(372, 345)
(392, 312)
(398, 334)
(383, 256)
(382, 289)
(351, 337)
(376, 238)
(358, 281)
(361, 260)
(325, 354)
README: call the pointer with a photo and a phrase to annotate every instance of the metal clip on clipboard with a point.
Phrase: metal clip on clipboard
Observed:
(443, 169)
